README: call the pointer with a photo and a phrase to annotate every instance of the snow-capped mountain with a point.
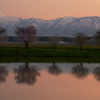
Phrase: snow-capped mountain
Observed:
(66, 26)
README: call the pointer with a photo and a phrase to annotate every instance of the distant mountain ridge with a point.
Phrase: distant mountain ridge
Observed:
(66, 26)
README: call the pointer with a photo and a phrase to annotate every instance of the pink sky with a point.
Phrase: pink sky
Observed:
(50, 9)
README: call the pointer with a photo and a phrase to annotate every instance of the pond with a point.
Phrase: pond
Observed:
(50, 81)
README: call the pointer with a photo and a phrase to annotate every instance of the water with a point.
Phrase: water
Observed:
(50, 81)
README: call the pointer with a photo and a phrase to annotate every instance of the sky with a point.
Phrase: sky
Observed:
(50, 9)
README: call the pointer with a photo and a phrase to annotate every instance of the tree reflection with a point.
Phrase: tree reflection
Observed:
(54, 69)
(97, 73)
(79, 71)
(26, 74)
(3, 73)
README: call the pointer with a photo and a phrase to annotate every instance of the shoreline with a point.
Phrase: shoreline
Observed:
(49, 59)
(62, 53)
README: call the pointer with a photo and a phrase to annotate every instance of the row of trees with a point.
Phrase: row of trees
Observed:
(25, 35)
(28, 35)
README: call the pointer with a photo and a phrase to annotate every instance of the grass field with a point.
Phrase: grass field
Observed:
(90, 51)
(48, 59)
(45, 53)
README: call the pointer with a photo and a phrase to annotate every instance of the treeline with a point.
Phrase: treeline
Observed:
(28, 35)
(45, 38)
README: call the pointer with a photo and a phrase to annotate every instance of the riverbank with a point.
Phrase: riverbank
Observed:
(45, 53)
(48, 59)
(69, 51)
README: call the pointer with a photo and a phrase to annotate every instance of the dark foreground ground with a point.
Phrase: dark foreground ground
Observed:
(45, 53)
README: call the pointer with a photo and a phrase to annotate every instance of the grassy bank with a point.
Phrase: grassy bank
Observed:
(48, 59)
(70, 51)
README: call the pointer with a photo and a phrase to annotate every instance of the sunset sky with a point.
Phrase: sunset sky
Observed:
(50, 9)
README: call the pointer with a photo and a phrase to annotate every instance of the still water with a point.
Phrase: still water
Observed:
(49, 81)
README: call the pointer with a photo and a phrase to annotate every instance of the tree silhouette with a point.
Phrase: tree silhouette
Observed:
(3, 35)
(97, 37)
(80, 39)
(97, 73)
(54, 41)
(54, 69)
(26, 74)
(79, 71)
(26, 35)
(3, 73)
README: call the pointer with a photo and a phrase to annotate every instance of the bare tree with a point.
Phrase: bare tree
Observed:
(26, 74)
(26, 35)
(97, 73)
(97, 37)
(54, 69)
(79, 71)
(3, 35)
(80, 39)
(3, 73)
(54, 40)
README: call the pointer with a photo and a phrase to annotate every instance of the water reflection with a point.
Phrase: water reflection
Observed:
(26, 74)
(97, 73)
(50, 87)
(54, 69)
(3, 73)
(79, 71)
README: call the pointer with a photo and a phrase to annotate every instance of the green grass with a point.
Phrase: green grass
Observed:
(45, 53)
(48, 59)
(89, 51)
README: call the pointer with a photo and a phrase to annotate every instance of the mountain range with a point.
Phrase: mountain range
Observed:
(66, 26)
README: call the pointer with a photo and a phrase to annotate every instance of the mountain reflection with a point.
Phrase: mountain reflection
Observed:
(3, 73)
(97, 73)
(54, 69)
(26, 74)
(79, 71)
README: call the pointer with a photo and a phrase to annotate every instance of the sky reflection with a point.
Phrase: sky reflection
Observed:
(57, 84)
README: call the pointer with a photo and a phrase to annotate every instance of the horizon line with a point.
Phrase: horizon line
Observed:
(49, 19)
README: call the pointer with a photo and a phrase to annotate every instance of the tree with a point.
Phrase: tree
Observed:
(97, 73)
(26, 35)
(3, 73)
(97, 37)
(80, 39)
(54, 69)
(54, 40)
(26, 74)
(79, 71)
(3, 36)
